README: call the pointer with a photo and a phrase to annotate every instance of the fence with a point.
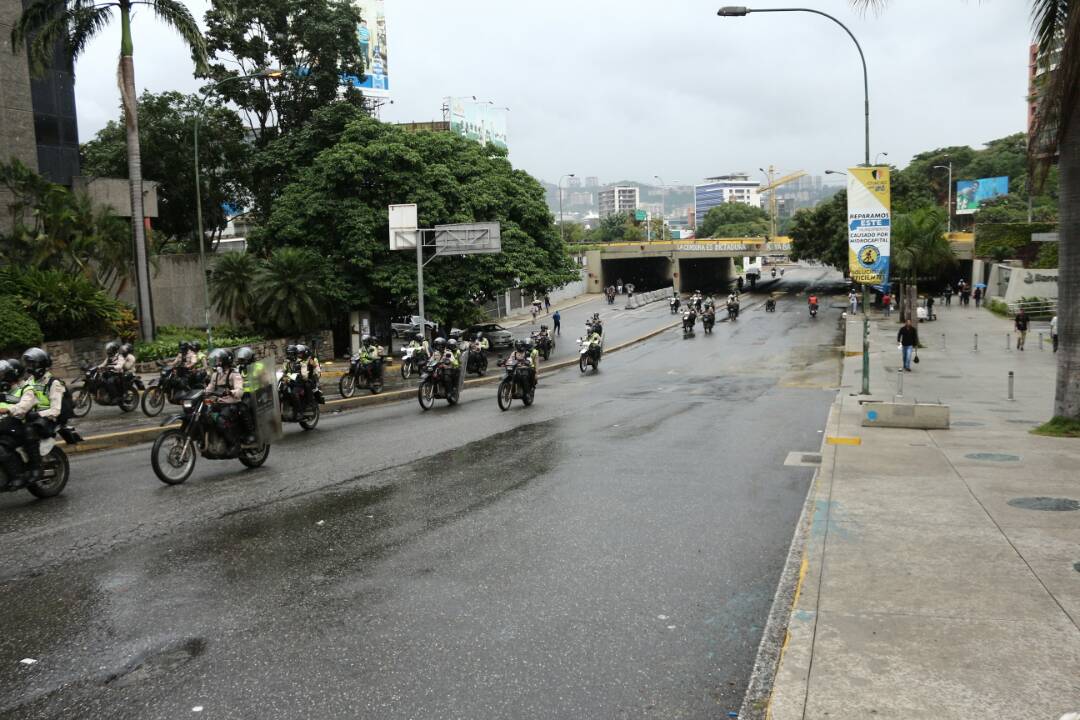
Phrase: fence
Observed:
(1041, 307)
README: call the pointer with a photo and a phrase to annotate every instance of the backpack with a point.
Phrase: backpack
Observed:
(67, 403)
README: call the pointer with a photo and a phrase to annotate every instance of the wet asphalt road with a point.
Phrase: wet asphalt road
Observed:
(611, 551)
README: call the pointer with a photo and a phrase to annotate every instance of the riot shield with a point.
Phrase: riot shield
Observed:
(462, 371)
(262, 400)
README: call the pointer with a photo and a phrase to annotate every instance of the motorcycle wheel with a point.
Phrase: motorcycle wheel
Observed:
(82, 400)
(254, 457)
(453, 396)
(425, 394)
(130, 401)
(506, 394)
(376, 385)
(172, 457)
(347, 385)
(528, 397)
(406, 370)
(311, 418)
(153, 400)
(547, 354)
(583, 363)
(55, 471)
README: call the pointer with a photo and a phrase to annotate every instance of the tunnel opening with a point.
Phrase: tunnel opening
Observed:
(709, 275)
(647, 273)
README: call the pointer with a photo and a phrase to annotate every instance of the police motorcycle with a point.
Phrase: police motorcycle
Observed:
(544, 342)
(362, 375)
(203, 422)
(589, 354)
(437, 379)
(94, 388)
(412, 359)
(297, 398)
(517, 381)
(171, 384)
(733, 310)
(15, 469)
(708, 319)
(477, 360)
(673, 304)
(689, 319)
(770, 305)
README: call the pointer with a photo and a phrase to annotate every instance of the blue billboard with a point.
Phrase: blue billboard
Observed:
(970, 194)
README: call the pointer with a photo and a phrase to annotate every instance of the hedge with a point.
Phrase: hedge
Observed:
(169, 337)
(1009, 240)
(18, 330)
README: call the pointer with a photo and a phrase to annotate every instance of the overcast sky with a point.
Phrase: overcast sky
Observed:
(630, 89)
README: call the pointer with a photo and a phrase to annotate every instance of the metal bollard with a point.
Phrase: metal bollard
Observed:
(1010, 384)
(1008, 341)
(944, 345)
(900, 382)
(1040, 342)
(976, 342)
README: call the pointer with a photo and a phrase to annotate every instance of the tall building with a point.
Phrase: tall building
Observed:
(573, 182)
(617, 200)
(37, 115)
(737, 187)
(592, 181)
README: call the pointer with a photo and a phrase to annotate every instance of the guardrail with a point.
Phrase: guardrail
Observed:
(1035, 308)
(641, 299)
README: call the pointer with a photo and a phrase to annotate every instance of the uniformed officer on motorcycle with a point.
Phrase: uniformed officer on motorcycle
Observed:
(227, 385)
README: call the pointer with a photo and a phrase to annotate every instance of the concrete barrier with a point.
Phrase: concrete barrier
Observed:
(916, 416)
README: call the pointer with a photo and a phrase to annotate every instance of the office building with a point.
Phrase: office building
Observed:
(618, 199)
(592, 181)
(737, 187)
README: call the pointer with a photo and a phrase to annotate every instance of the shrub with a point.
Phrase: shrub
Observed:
(998, 307)
(64, 305)
(1047, 258)
(18, 330)
(169, 336)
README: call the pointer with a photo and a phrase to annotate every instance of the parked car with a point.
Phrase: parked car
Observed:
(407, 326)
(497, 335)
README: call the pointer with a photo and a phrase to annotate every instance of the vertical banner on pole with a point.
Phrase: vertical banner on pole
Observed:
(869, 224)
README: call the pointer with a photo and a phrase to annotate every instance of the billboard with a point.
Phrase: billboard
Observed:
(371, 35)
(480, 121)
(971, 193)
(869, 224)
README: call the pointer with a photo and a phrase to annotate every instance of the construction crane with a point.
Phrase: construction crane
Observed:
(775, 182)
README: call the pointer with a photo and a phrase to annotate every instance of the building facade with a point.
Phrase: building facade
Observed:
(618, 199)
(722, 189)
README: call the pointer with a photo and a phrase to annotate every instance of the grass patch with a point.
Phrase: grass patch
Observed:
(1059, 427)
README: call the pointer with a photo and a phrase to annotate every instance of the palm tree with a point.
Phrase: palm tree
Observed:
(232, 285)
(70, 25)
(919, 249)
(1057, 133)
(290, 290)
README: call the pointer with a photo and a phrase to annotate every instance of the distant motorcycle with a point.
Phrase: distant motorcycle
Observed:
(516, 384)
(170, 385)
(298, 402)
(54, 462)
(437, 383)
(589, 355)
(733, 311)
(813, 311)
(770, 305)
(412, 359)
(362, 375)
(707, 322)
(688, 322)
(175, 450)
(545, 343)
(93, 388)
(673, 304)
(477, 362)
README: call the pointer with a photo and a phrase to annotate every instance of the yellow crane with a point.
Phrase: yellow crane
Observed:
(775, 182)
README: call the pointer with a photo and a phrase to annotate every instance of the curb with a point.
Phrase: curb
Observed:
(127, 438)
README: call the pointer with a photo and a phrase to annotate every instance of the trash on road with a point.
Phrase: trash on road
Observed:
(28, 661)
(321, 522)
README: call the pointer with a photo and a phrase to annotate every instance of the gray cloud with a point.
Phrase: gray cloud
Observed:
(639, 88)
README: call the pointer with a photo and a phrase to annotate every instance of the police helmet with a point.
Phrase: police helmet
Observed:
(366, 340)
(221, 358)
(291, 352)
(112, 347)
(196, 345)
(419, 337)
(36, 361)
(127, 349)
(184, 346)
(303, 351)
(244, 356)
(440, 343)
(17, 365)
(452, 344)
(543, 328)
(9, 375)
(520, 345)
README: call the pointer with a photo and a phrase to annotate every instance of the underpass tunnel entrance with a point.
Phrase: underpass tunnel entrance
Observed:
(646, 273)
(709, 275)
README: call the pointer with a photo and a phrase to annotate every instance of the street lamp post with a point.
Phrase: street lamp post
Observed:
(562, 232)
(275, 74)
(949, 207)
(879, 155)
(740, 11)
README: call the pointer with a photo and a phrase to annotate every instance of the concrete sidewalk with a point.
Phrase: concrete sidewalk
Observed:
(940, 576)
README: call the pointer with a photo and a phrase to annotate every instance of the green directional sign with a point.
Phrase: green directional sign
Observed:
(639, 215)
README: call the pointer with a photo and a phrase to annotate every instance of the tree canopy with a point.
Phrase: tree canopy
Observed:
(166, 129)
(734, 220)
(335, 202)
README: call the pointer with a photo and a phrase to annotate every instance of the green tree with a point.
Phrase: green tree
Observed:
(734, 220)
(336, 203)
(291, 290)
(55, 228)
(820, 233)
(920, 250)
(1057, 132)
(166, 126)
(63, 28)
(232, 284)
(573, 233)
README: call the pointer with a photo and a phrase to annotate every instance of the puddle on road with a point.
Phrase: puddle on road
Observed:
(1047, 504)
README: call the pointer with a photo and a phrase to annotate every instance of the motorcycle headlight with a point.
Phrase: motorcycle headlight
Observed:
(188, 405)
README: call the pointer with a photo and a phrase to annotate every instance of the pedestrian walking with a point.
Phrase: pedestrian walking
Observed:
(908, 337)
(1053, 332)
(948, 295)
(978, 297)
(1021, 324)
(547, 304)
(930, 308)
(886, 302)
(556, 321)
(619, 283)
(853, 302)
